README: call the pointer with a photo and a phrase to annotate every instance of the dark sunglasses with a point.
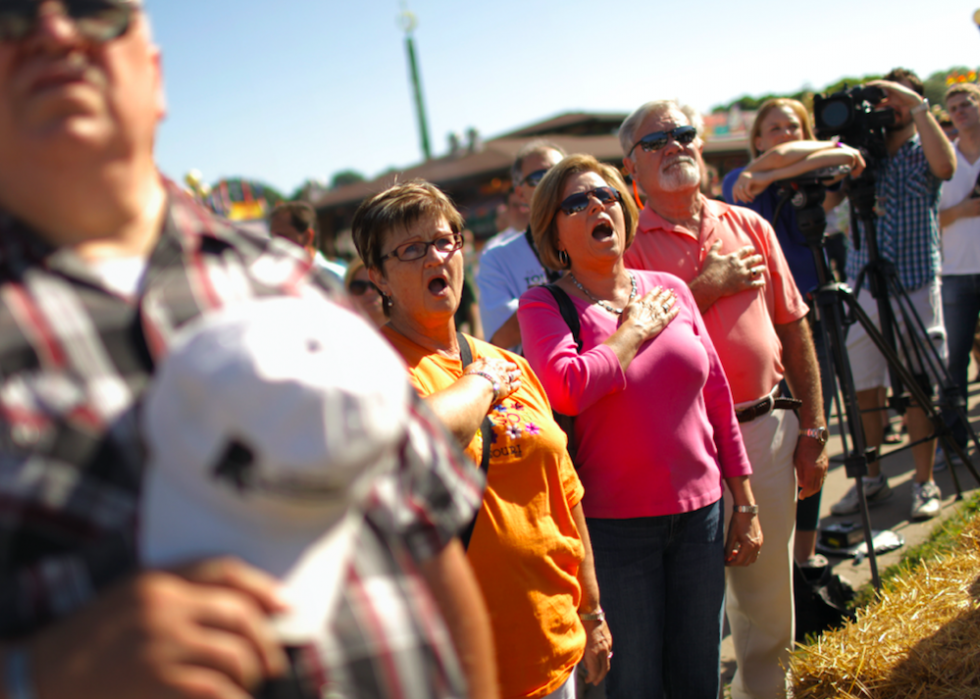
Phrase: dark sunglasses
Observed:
(97, 21)
(658, 139)
(580, 200)
(420, 248)
(359, 287)
(534, 178)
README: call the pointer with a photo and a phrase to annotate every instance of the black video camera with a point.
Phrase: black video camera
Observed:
(851, 115)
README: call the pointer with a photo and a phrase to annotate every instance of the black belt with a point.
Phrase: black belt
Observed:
(766, 406)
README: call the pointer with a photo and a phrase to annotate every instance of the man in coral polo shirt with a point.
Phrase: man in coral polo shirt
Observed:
(733, 264)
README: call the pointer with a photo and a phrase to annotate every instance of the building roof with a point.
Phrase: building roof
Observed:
(572, 123)
(496, 155)
(576, 132)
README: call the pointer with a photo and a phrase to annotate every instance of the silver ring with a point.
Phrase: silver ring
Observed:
(665, 308)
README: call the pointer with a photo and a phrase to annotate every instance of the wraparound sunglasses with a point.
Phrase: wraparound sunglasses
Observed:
(658, 139)
(579, 201)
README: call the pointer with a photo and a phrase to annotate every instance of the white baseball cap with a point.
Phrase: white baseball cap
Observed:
(266, 425)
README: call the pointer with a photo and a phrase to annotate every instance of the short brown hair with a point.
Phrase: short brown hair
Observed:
(795, 106)
(548, 197)
(897, 75)
(538, 145)
(968, 89)
(399, 206)
(302, 217)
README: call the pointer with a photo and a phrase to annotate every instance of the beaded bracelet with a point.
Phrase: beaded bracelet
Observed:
(488, 377)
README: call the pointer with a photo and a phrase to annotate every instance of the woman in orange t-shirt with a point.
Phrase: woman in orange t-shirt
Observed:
(529, 546)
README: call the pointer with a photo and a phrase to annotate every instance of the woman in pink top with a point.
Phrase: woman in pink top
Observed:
(655, 434)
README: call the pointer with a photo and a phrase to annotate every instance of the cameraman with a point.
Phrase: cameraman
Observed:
(907, 188)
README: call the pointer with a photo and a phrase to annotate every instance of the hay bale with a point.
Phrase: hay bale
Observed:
(920, 640)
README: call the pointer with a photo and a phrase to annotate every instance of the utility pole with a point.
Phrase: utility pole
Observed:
(408, 23)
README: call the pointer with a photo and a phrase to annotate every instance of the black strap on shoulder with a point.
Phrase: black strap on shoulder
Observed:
(570, 316)
(551, 274)
(486, 433)
(568, 313)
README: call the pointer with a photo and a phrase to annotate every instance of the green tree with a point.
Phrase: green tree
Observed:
(936, 85)
(344, 178)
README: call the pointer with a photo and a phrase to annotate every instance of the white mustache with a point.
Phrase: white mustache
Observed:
(679, 159)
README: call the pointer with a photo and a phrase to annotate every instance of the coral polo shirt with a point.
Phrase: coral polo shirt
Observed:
(741, 326)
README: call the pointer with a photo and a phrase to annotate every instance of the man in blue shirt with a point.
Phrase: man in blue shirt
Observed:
(907, 188)
(509, 266)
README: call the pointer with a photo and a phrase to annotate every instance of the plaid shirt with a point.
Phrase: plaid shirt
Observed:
(74, 359)
(908, 218)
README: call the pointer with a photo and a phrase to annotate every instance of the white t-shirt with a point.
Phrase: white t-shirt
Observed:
(961, 240)
(508, 268)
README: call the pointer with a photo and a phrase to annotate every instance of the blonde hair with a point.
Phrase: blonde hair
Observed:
(968, 89)
(548, 198)
(794, 106)
(353, 268)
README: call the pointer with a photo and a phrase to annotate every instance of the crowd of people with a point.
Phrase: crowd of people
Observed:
(636, 451)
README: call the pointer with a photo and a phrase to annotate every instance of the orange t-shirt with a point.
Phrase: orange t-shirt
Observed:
(525, 549)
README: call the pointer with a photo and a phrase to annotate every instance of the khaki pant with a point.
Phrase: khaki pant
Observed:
(759, 601)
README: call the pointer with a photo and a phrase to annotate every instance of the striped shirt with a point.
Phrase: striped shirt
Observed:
(908, 218)
(75, 357)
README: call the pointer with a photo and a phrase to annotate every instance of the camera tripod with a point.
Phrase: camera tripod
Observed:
(830, 299)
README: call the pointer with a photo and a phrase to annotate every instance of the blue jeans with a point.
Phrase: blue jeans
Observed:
(961, 307)
(662, 581)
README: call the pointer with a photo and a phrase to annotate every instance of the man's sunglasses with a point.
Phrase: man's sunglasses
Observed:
(580, 200)
(535, 177)
(97, 21)
(658, 139)
(419, 249)
(359, 287)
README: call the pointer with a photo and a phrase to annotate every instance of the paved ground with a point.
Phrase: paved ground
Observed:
(891, 514)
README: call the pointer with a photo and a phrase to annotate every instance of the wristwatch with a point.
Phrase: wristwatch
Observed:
(747, 509)
(818, 433)
(920, 107)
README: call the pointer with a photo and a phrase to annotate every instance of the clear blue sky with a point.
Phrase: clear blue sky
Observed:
(285, 91)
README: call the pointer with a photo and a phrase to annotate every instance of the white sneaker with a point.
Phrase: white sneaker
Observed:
(925, 500)
(875, 490)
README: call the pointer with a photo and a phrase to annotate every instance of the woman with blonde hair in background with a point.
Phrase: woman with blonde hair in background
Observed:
(783, 147)
(364, 294)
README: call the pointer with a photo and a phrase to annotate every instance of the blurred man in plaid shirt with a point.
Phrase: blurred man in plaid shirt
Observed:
(101, 261)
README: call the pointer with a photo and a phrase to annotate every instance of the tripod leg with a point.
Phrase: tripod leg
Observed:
(905, 376)
(932, 365)
(830, 310)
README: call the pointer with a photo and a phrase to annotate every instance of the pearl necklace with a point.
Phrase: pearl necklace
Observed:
(600, 302)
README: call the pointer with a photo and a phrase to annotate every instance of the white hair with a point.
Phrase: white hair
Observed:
(627, 135)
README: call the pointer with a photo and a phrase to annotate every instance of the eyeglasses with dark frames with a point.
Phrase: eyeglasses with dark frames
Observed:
(416, 250)
(658, 139)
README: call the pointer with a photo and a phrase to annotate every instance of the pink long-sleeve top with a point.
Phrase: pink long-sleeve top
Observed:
(657, 439)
